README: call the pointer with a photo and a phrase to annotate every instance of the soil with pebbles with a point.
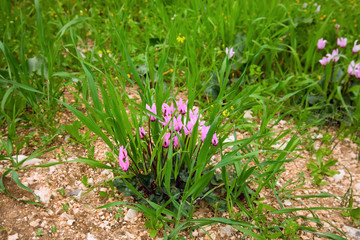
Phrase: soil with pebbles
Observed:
(70, 212)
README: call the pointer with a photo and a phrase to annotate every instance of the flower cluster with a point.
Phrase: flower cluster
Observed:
(177, 125)
(353, 69)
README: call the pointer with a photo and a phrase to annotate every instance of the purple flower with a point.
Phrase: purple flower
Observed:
(337, 26)
(324, 61)
(168, 110)
(321, 43)
(167, 119)
(153, 110)
(214, 140)
(230, 52)
(122, 157)
(357, 71)
(177, 123)
(351, 68)
(142, 132)
(356, 48)
(334, 56)
(204, 132)
(166, 142)
(189, 127)
(181, 106)
(342, 42)
(176, 142)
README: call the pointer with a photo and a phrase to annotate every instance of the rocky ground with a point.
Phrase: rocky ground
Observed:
(69, 210)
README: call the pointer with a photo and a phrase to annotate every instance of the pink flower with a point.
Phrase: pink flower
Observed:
(351, 68)
(166, 142)
(176, 142)
(142, 132)
(357, 71)
(189, 127)
(321, 43)
(337, 26)
(334, 56)
(342, 42)
(181, 106)
(324, 61)
(214, 140)
(153, 110)
(177, 123)
(204, 132)
(122, 157)
(167, 119)
(230, 52)
(356, 48)
(168, 110)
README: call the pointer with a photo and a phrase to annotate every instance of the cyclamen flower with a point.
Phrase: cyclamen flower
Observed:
(166, 142)
(337, 26)
(321, 43)
(181, 106)
(214, 140)
(177, 123)
(230, 52)
(351, 68)
(142, 132)
(357, 71)
(324, 61)
(356, 48)
(204, 132)
(153, 110)
(317, 9)
(176, 142)
(168, 110)
(334, 56)
(123, 156)
(342, 42)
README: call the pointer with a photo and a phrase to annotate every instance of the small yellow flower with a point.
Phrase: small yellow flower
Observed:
(334, 20)
(171, 70)
(309, 3)
(214, 28)
(67, 11)
(123, 9)
(212, 105)
(85, 9)
(81, 13)
(232, 108)
(340, 10)
(108, 51)
(220, 52)
(319, 77)
(180, 39)
(226, 113)
(128, 75)
(139, 12)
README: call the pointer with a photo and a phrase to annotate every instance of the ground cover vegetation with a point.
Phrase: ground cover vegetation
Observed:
(198, 67)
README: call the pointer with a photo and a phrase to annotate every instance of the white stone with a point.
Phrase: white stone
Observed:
(338, 177)
(287, 202)
(90, 237)
(247, 114)
(357, 186)
(320, 136)
(129, 235)
(226, 231)
(130, 215)
(70, 222)
(35, 223)
(13, 237)
(352, 232)
(44, 194)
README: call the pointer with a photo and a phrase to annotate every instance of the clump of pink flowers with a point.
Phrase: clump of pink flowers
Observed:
(178, 125)
(334, 56)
